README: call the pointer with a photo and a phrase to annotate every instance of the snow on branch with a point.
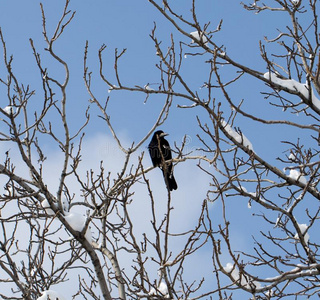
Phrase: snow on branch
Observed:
(78, 222)
(303, 228)
(244, 281)
(296, 175)
(199, 37)
(161, 290)
(10, 110)
(240, 138)
(50, 295)
(294, 86)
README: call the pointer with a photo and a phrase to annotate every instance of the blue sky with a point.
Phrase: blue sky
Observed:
(123, 24)
(127, 24)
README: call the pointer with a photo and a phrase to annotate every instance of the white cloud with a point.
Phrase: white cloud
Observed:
(186, 202)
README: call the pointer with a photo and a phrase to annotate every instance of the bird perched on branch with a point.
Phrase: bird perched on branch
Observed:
(160, 152)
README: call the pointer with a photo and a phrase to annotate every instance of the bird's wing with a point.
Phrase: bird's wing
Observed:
(154, 154)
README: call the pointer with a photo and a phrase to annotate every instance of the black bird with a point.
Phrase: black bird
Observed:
(160, 151)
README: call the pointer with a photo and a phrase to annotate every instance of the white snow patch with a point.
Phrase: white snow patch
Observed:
(294, 86)
(9, 110)
(9, 191)
(46, 206)
(77, 222)
(269, 293)
(50, 295)
(162, 288)
(112, 88)
(148, 88)
(230, 268)
(303, 228)
(292, 157)
(240, 138)
(243, 189)
(252, 194)
(198, 36)
(296, 175)
(152, 292)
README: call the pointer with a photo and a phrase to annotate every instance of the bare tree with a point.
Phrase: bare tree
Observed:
(284, 253)
(91, 235)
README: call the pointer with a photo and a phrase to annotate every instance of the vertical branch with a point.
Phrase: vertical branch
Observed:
(50, 41)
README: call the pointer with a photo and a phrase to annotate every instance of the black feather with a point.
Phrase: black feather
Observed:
(160, 151)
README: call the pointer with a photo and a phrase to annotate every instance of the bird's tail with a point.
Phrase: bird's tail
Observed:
(170, 180)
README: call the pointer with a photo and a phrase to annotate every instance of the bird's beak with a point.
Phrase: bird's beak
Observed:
(163, 134)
